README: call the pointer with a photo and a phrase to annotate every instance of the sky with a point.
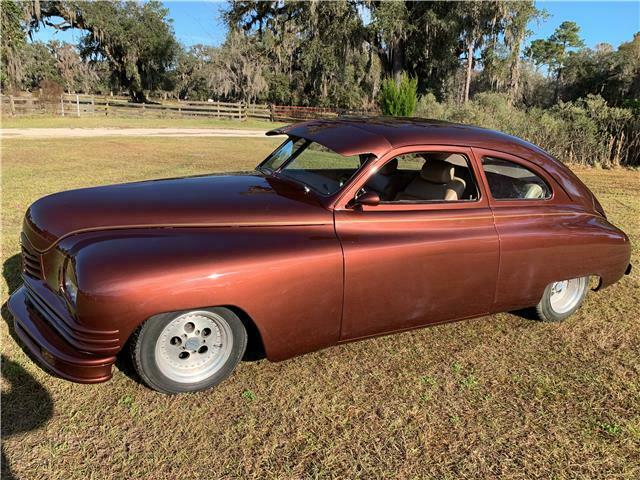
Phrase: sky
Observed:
(612, 22)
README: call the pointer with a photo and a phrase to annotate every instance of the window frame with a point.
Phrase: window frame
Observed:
(293, 140)
(360, 180)
(553, 186)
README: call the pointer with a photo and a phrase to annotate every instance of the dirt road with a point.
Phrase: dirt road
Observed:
(126, 132)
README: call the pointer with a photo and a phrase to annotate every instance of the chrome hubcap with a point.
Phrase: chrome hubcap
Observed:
(193, 346)
(566, 294)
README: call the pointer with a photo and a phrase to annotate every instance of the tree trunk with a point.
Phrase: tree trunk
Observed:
(397, 61)
(138, 96)
(556, 92)
(514, 83)
(467, 80)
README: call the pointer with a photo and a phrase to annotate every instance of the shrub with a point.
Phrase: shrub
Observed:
(587, 131)
(428, 107)
(399, 99)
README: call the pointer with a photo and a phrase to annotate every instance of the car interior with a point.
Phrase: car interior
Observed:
(510, 181)
(424, 177)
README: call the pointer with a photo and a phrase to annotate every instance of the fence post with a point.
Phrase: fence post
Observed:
(78, 104)
(271, 113)
(240, 111)
(93, 105)
(12, 106)
(62, 104)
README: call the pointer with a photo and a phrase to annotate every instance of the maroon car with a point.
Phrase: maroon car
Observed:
(351, 228)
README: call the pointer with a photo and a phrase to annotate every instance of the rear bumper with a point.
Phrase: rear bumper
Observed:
(50, 350)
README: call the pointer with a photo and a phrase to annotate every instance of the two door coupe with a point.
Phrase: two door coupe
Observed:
(352, 228)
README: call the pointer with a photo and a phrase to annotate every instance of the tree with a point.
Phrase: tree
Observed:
(519, 14)
(237, 69)
(390, 28)
(135, 38)
(38, 64)
(613, 74)
(76, 74)
(553, 51)
(324, 53)
(315, 50)
(192, 72)
(429, 39)
(13, 40)
(565, 36)
(479, 20)
(625, 81)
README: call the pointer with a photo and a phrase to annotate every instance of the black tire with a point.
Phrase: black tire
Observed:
(545, 310)
(143, 346)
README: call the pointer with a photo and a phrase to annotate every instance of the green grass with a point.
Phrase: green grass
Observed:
(500, 396)
(106, 122)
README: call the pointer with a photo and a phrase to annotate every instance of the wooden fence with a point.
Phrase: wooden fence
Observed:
(288, 113)
(72, 105)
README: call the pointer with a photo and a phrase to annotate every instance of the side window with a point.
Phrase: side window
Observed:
(425, 177)
(511, 181)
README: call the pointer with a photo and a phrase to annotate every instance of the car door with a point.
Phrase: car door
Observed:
(409, 264)
(537, 225)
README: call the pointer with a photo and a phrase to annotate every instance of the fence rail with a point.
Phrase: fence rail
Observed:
(93, 105)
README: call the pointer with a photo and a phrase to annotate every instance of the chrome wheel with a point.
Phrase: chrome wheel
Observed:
(193, 346)
(567, 294)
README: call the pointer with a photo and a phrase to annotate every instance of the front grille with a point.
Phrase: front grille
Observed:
(31, 263)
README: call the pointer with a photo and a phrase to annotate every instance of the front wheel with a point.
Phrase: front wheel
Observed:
(561, 299)
(188, 351)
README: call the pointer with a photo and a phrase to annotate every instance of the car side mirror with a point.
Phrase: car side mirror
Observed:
(370, 199)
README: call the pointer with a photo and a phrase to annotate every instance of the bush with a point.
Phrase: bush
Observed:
(587, 131)
(399, 99)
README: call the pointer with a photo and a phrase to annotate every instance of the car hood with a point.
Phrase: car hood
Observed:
(204, 201)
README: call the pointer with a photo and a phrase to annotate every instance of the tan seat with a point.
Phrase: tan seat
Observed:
(436, 181)
(384, 181)
(533, 190)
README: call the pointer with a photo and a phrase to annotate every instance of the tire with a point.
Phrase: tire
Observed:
(561, 299)
(188, 351)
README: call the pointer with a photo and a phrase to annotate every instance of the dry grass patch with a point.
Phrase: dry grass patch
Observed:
(500, 396)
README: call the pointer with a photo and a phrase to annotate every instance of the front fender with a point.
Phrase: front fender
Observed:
(289, 280)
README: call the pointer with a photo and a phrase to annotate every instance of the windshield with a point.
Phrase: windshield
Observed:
(313, 165)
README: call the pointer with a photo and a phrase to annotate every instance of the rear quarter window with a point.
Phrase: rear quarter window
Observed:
(511, 181)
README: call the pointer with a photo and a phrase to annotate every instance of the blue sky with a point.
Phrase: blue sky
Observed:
(612, 22)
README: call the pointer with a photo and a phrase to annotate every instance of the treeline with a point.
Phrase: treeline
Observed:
(342, 54)
(316, 53)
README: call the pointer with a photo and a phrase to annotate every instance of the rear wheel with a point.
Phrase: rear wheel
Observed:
(561, 299)
(188, 351)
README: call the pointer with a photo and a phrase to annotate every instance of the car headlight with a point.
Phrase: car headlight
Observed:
(69, 282)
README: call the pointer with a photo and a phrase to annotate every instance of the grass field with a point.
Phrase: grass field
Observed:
(106, 122)
(499, 396)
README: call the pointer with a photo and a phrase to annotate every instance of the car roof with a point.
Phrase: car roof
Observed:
(377, 135)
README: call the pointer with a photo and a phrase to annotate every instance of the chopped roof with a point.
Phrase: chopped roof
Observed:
(377, 135)
(358, 135)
